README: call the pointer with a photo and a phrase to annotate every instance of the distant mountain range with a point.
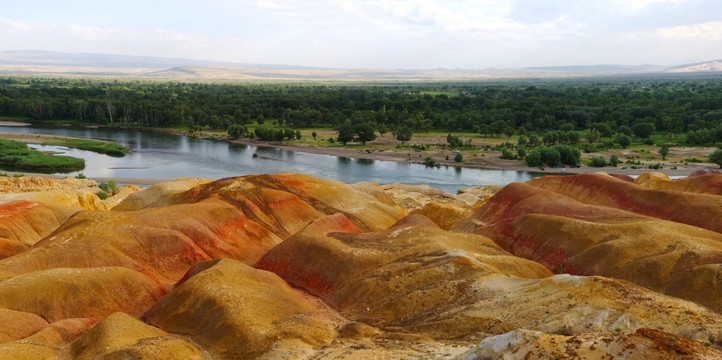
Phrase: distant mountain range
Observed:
(24, 62)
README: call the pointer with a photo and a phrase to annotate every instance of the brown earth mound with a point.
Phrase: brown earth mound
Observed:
(237, 312)
(340, 271)
(700, 210)
(568, 236)
(120, 336)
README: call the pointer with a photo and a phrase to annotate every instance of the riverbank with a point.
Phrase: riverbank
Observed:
(385, 148)
(98, 146)
(491, 160)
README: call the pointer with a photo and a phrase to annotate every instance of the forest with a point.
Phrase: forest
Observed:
(561, 110)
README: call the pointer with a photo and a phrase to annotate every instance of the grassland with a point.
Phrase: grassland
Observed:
(101, 147)
(15, 155)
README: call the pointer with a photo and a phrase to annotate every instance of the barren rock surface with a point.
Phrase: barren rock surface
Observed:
(288, 266)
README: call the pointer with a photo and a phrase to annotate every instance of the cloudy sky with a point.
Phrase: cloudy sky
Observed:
(383, 34)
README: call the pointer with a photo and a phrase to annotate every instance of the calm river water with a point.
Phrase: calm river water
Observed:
(163, 156)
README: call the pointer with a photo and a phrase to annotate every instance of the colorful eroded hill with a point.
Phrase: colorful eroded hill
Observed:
(291, 266)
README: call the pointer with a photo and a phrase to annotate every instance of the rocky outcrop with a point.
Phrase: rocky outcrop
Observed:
(642, 344)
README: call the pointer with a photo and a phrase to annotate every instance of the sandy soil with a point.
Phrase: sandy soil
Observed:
(385, 149)
(13, 123)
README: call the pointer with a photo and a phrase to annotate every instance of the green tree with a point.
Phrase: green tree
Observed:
(298, 134)
(458, 157)
(716, 157)
(508, 131)
(623, 140)
(365, 132)
(521, 152)
(614, 160)
(593, 136)
(453, 141)
(522, 141)
(643, 130)
(533, 158)
(569, 155)
(534, 141)
(403, 134)
(236, 130)
(550, 156)
(314, 135)
(507, 154)
(664, 151)
(345, 133)
(625, 130)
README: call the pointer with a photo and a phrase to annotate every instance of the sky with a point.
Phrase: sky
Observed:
(375, 34)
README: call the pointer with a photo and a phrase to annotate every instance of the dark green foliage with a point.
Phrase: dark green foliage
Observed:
(643, 130)
(664, 151)
(533, 158)
(345, 133)
(236, 130)
(454, 141)
(603, 130)
(428, 161)
(265, 133)
(534, 141)
(549, 156)
(521, 152)
(15, 155)
(625, 130)
(507, 154)
(458, 157)
(623, 140)
(522, 141)
(403, 134)
(550, 137)
(365, 132)
(298, 135)
(614, 160)
(716, 157)
(669, 105)
(597, 162)
(313, 134)
(569, 155)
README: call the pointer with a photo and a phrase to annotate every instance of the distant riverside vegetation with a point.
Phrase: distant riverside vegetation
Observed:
(686, 109)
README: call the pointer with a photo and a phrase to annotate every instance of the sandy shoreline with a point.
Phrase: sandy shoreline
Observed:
(491, 161)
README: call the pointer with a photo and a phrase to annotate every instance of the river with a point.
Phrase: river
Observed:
(165, 156)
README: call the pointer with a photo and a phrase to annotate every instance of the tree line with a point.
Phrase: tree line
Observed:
(686, 106)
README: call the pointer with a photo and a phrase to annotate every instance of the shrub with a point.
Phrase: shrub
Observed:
(102, 195)
(614, 160)
(458, 157)
(597, 162)
(506, 154)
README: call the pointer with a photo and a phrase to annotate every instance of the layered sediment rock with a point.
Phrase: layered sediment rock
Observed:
(290, 266)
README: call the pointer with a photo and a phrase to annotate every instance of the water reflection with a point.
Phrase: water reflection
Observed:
(164, 156)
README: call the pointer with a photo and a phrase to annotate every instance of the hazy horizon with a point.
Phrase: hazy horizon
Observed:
(411, 34)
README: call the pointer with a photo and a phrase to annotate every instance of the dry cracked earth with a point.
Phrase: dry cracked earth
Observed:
(289, 266)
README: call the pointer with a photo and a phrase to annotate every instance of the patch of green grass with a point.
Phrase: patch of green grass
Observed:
(101, 147)
(17, 156)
